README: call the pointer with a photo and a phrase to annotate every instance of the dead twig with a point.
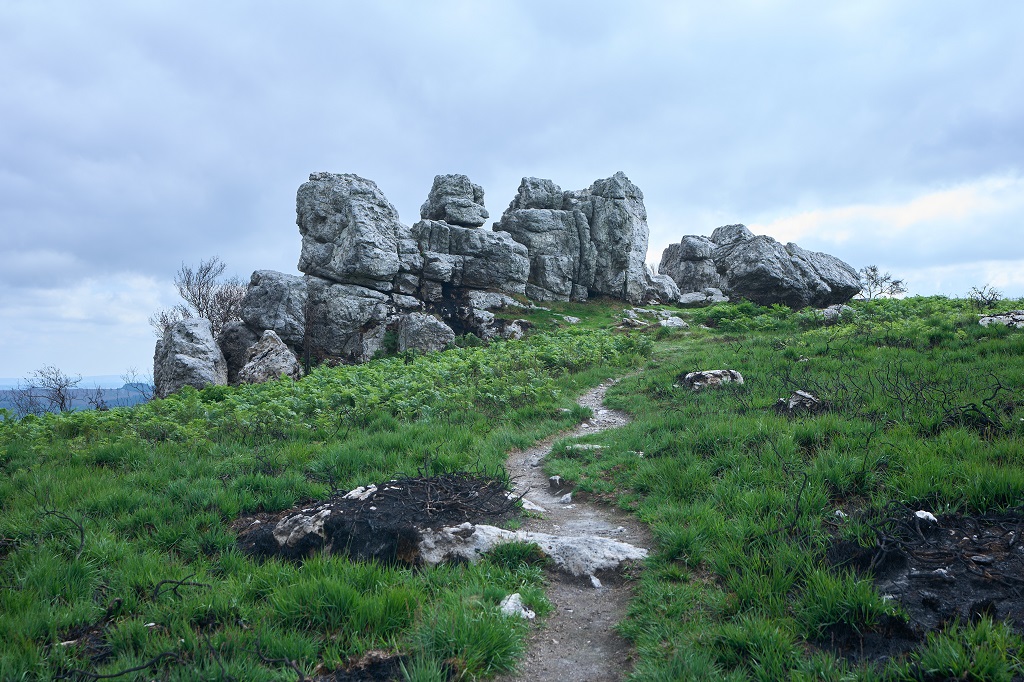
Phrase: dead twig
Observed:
(177, 584)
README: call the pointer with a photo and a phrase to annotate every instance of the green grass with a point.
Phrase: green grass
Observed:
(927, 412)
(120, 520)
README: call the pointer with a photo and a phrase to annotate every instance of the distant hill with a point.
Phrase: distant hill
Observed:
(90, 398)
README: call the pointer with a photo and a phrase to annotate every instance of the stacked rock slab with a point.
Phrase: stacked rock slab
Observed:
(583, 243)
(759, 269)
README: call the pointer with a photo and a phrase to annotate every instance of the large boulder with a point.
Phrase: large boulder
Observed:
(582, 243)
(757, 268)
(276, 301)
(346, 322)
(269, 359)
(425, 333)
(188, 355)
(455, 200)
(351, 233)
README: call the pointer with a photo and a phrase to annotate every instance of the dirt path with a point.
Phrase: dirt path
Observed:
(578, 641)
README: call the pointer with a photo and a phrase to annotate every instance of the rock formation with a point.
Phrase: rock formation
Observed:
(759, 269)
(582, 243)
(366, 274)
(188, 355)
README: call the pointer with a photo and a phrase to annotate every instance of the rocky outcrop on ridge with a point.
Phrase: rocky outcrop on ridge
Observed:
(366, 274)
(759, 269)
(188, 355)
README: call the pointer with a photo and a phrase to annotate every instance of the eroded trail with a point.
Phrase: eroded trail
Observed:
(578, 640)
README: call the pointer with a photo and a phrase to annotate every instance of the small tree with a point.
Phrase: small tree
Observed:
(985, 297)
(874, 284)
(45, 389)
(205, 295)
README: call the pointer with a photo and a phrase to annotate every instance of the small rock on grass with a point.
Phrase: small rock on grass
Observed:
(512, 605)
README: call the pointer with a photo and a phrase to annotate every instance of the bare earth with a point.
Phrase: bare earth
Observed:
(578, 641)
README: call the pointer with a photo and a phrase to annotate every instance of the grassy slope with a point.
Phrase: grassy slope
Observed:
(101, 509)
(741, 500)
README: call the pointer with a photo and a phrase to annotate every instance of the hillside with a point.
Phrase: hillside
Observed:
(786, 542)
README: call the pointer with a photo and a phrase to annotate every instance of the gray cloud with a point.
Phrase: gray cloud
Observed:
(140, 135)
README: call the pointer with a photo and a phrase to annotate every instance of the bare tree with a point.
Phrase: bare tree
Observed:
(45, 389)
(875, 284)
(205, 294)
(26, 399)
(143, 384)
(985, 297)
(97, 400)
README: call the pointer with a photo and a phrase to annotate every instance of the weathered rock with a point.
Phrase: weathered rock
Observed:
(276, 301)
(490, 300)
(188, 355)
(801, 402)
(700, 299)
(269, 359)
(834, 313)
(619, 232)
(661, 289)
(345, 321)
(592, 241)
(730, 234)
(425, 333)
(580, 556)
(712, 378)
(455, 200)
(674, 323)
(1014, 318)
(693, 275)
(470, 258)
(512, 606)
(235, 340)
(351, 234)
(757, 268)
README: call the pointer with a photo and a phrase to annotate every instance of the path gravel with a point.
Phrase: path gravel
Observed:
(578, 641)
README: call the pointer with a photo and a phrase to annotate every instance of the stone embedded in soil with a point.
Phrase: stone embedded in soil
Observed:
(711, 378)
(581, 556)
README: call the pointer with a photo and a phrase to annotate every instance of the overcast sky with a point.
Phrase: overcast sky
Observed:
(135, 136)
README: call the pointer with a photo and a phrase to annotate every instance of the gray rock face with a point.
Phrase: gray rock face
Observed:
(425, 333)
(759, 269)
(276, 301)
(661, 288)
(455, 200)
(268, 360)
(592, 241)
(469, 258)
(235, 340)
(351, 233)
(345, 321)
(188, 355)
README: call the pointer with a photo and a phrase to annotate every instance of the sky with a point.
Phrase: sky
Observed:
(137, 136)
